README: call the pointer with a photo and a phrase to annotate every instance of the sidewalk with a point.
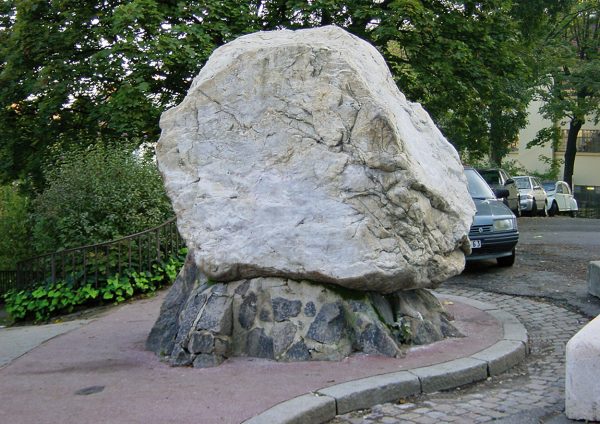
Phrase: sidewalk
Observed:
(98, 371)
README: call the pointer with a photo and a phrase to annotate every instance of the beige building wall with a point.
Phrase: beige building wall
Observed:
(530, 158)
(587, 165)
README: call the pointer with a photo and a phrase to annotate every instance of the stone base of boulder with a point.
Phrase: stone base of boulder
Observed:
(203, 323)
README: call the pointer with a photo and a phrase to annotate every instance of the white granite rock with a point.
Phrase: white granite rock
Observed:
(295, 155)
(582, 391)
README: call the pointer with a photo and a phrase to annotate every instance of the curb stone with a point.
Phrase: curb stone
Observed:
(308, 408)
(369, 391)
(326, 403)
(451, 374)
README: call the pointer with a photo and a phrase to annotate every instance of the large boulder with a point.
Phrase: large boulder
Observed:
(294, 155)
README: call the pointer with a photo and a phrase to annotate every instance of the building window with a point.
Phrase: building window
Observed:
(588, 141)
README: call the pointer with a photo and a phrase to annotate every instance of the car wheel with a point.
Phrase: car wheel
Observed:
(573, 214)
(534, 210)
(507, 260)
(553, 209)
(517, 210)
(544, 210)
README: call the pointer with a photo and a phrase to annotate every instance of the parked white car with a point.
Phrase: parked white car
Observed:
(533, 196)
(560, 198)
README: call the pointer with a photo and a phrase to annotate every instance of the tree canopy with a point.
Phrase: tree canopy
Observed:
(76, 73)
(571, 90)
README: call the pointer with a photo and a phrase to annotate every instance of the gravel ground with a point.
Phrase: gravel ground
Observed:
(551, 265)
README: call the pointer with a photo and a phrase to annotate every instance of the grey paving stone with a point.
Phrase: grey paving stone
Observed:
(508, 397)
(304, 409)
(450, 374)
(502, 356)
(367, 392)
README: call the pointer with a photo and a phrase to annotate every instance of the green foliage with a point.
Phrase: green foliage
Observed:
(45, 301)
(97, 194)
(553, 170)
(73, 73)
(77, 72)
(14, 229)
(571, 89)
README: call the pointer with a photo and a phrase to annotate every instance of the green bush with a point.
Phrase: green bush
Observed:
(14, 229)
(97, 194)
(43, 302)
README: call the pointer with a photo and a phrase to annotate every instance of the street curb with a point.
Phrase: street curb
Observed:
(369, 391)
(308, 408)
(326, 403)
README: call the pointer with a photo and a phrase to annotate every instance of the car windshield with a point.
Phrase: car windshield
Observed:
(478, 188)
(549, 186)
(522, 182)
(490, 176)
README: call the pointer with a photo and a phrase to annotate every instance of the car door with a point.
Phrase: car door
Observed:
(538, 193)
(559, 196)
(568, 197)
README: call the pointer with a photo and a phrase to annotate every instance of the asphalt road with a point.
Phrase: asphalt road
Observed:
(551, 264)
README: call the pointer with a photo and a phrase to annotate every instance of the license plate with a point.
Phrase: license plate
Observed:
(475, 244)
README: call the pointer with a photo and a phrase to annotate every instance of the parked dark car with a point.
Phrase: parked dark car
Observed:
(494, 232)
(497, 179)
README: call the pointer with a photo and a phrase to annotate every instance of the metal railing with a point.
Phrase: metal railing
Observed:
(588, 211)
(94, 263)
(8, 279)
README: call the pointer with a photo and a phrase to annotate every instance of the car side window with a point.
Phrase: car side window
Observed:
(559, 188)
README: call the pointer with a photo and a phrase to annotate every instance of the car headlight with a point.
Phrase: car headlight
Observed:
(504, 224)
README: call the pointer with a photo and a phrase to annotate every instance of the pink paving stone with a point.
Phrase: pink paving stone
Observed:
(40, 386)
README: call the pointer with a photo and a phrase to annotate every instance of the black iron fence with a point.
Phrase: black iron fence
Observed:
(8, 279)
(95, 263)
(588, 200)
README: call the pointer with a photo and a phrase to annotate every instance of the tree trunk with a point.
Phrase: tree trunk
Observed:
(571, 150)
(497, 149)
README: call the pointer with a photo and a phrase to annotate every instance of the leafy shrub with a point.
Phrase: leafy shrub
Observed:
(97, 194)
(43, 302)
(14, 232)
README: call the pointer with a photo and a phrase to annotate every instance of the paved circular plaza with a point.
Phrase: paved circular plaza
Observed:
(531, 392)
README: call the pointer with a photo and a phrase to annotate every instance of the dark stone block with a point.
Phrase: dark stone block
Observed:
(259, 345)
(247, 313)
(161, 339)
(383, 307)
(298, 352)
(217, 315)
(180, 357)
(283, 335)
(329, 325)
(219, 288)
(206, 361)
(357, 306)
(284, 309)
(375, 340)
(265, 315)
(310, 309)
(201, 342)
(424, 332)
(242, 288)
(222, 346)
